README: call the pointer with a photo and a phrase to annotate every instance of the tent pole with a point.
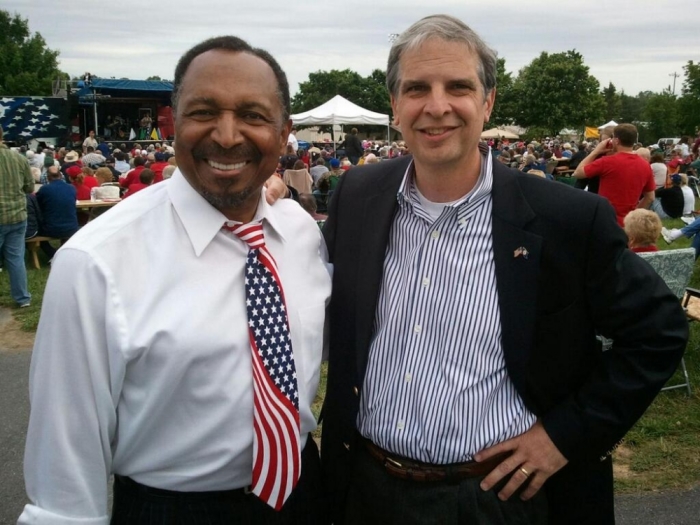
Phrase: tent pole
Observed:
(388, 132)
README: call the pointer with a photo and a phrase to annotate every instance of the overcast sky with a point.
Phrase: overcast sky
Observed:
(636, 45)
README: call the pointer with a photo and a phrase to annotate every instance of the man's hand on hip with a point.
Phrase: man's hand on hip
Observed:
(534, 459)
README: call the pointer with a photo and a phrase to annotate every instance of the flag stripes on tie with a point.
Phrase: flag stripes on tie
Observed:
(276, 442)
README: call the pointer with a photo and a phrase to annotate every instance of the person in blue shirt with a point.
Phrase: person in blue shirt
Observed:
(57, 203)
(103, 148)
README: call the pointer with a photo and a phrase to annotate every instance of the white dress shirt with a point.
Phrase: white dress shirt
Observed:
(292, 140)
(141, 365)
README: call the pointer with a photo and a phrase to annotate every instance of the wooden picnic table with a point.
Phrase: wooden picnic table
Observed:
(90, 206)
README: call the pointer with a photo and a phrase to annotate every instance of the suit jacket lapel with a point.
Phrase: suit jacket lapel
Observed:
(376, 220)
(517, 254)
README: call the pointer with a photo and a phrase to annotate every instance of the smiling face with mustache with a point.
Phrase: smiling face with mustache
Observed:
(229, 129)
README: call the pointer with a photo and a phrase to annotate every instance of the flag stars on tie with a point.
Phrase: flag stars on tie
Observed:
(270, 340)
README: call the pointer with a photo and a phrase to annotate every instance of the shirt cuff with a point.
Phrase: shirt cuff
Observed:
(33, 515)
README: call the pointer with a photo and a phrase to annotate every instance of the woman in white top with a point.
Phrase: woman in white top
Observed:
(660, 170)
(688, 196)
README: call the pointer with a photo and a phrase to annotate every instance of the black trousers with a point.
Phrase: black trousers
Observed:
(136, 504)
(378, 497)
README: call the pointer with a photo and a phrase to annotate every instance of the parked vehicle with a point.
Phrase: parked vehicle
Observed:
(668, 142)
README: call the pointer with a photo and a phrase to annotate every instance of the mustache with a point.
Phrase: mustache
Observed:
(227, 155)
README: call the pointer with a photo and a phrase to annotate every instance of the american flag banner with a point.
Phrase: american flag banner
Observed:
(276, 441)
(24, 118)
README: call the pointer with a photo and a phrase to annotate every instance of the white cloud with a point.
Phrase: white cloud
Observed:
(634, 44)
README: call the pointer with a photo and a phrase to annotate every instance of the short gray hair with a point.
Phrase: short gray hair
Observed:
(168, 171)
(446, 28)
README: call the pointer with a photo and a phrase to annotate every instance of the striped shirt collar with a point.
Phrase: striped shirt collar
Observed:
(408, 193)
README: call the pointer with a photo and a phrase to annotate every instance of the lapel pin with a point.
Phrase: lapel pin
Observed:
(522, 251)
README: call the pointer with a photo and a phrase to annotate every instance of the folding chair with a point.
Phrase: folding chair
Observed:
(675, 267)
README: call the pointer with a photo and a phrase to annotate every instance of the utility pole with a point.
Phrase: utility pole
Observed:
(675, 76)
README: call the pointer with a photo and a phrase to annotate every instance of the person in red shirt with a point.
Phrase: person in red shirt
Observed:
(133, 176)
(146, 178)
(89, 178)
(304, 156)
(696, 145)
(161, 161)
(77, 179)
(674, 164)
(624, 176)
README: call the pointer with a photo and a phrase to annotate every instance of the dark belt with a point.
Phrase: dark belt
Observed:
(413, 470)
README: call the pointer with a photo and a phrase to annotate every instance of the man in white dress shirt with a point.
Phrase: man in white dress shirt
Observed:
(292, 140)
(142, 362)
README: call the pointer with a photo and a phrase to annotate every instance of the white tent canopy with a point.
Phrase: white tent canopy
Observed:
(611, 123)
(496, 133)
(339, 110)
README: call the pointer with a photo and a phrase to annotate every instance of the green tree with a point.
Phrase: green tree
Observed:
(661, 115)
(613, 103)
(154, 77)
(369, 92)
(377, 93)
(556, 91)
(503, 109)
(689, 103)
(632, 107)
(27, 65)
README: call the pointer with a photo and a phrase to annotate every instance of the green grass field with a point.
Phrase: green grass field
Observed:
(662, 451)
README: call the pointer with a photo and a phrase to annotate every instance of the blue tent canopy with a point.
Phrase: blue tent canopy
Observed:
(111, 84)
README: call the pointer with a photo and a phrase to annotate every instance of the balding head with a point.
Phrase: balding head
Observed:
(308, 202)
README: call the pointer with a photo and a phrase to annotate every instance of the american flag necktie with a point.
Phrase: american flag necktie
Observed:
(276, 444)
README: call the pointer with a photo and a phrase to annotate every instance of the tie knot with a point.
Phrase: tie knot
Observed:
(251, 233)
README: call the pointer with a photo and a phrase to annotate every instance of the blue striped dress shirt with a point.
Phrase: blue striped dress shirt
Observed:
(436, 387)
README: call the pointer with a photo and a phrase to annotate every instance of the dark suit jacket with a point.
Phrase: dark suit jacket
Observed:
(578, 279)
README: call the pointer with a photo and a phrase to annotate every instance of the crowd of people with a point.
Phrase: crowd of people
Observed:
(62, 176)
(630, 175)
(181, 336)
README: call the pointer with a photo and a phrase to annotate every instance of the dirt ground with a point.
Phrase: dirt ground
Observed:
(13, 339)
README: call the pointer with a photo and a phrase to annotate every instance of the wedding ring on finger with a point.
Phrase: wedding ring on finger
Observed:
(527, 474)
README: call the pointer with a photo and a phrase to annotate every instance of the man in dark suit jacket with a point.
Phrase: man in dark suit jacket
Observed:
(353, 146)
(552, 406)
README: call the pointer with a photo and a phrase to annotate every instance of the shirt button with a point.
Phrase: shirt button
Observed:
(400, 425)
(355, 391)
(416, 329)
(426, 281)
(408, 377)
(435, 234)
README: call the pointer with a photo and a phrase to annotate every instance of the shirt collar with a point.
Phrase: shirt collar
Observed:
(202, 221)
(482, 188)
